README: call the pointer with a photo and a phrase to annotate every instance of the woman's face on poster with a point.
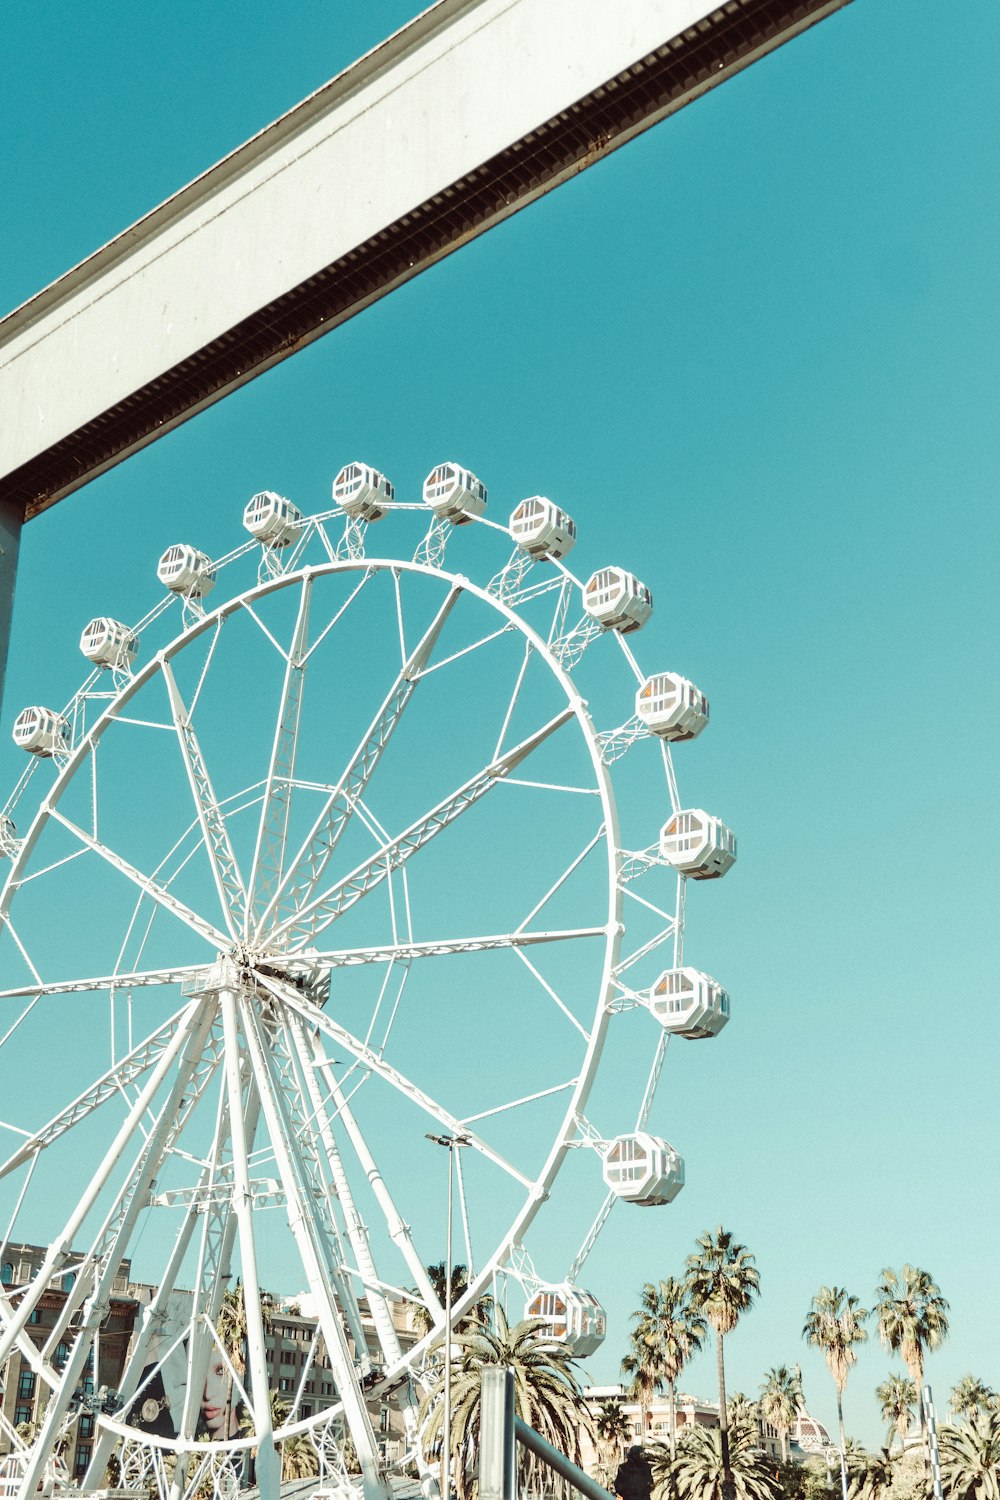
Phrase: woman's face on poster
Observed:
(215, 1399)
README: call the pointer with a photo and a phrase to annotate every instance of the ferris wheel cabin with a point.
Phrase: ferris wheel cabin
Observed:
(617, 600)
(41, 731)
(671, 707)
(689, 1003)
(362, 492)
(184, 570)
(541, 529)
(699, 845)
(272, 520)
(109, 643)
(643, 1169)
(454, 493)
(570, 1314)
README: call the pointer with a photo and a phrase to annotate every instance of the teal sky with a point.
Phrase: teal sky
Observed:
(756, 353)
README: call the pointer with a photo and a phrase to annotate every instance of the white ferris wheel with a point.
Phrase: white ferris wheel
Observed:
(368, 852)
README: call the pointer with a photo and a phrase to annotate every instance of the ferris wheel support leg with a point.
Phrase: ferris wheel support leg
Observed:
(61, 1246)
(290, 1088)
(152, 1321)
(302, 1223)
(268, 1477)
(214, 1257)
(111, 1246)
(357, 1233)
(398, 1231)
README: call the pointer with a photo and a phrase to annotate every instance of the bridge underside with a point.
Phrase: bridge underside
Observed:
(654, 86)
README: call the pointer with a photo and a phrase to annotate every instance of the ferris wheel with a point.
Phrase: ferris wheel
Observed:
(367, 853)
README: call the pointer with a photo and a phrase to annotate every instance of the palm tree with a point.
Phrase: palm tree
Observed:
(871, 1474)
(613, 1429)
(835, 1324)
(459, 1282)
(970, 1458)
(547, 1395)
(969, 1396)
(912, 1317)
(643, 1385)
(722, 1281)
(700, 1472)
(231, 1326)
(668, 1331)
(781, 1401)
(898, 1397)
(741, 1408)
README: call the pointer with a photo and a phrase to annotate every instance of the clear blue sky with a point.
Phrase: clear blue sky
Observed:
(757, 353)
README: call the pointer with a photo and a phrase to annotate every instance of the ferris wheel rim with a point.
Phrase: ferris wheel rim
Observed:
(567, 1132)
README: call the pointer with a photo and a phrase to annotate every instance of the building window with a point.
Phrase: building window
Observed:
(7, 1273)
(307, 1411)
(86, 1425)
(383, 1419)
(34, 1316)
(62, 1354)
(82, 1459)
(68, 1281)
(21, 1414)
(286, 1383)
(26, 1385)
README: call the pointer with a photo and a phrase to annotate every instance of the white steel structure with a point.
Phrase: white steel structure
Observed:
(338, 863)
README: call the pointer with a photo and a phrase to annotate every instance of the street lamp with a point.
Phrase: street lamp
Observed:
(451, 1144)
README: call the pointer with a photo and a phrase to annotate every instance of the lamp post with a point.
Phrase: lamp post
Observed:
(451, 1144)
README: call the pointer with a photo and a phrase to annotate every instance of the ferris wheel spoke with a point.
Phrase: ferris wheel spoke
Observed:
(391, 952)
(109, 1085)
(326, 908)
(137, 979)
(306, 868)
(225, 867)
(272, 830)
(377, 1065)
(146, 884)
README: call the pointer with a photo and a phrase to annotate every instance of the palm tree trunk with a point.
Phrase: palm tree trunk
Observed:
(727, 1476)
(843, 1443)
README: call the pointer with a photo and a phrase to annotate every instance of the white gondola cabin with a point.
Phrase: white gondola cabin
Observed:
(699, 845)
(541, 529)
(41, 731)
(617, 600)
(109, 643)
(454, 493)
(643, 1169)
(671, 707)
(689, 1003)
(184, 570)
(572, 1315)
(362, 492)
(272, 520)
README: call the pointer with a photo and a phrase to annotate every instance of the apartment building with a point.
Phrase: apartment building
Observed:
(24, 1396)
